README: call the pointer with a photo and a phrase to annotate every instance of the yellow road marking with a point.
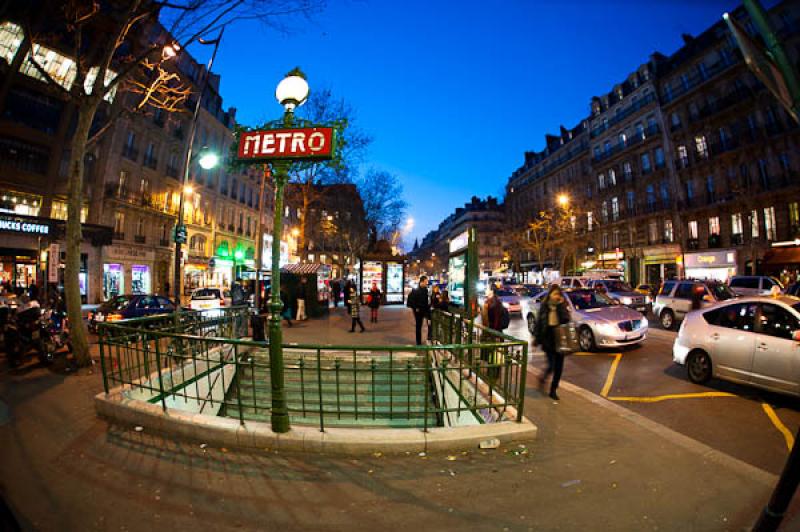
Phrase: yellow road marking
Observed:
(658, 398)
(787, 435)
(611, 373)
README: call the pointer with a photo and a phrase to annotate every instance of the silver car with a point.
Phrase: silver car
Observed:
(754, 285)
(600, 322)
(749, 340)
(620, 291)
(675, 299)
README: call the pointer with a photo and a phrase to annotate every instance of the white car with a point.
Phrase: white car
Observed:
(210, 299)
(510, 300)
(600, 322)
(749, 340)
(754, 285)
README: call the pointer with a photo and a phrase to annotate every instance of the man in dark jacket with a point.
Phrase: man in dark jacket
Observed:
(553, 313)
(419, 303)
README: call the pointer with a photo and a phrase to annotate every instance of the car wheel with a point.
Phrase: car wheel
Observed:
(586, 339)
(531, 323)
(667, 319)
(698, 367)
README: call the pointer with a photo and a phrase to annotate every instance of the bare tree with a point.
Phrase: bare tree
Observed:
(110, 43)
(382, 194)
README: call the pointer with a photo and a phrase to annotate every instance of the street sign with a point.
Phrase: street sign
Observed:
(53, 262)
(179, 235)
(290, 143)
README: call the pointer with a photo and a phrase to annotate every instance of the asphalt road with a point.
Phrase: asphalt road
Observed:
(751, 425)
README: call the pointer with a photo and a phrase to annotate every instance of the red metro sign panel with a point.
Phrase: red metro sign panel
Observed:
(290, 143)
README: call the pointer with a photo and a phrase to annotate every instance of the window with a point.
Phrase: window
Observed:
(241, 192)
(684, 291)
(589, 221)
(651, 197)
(612, 177)
(665, 192)
(713, 226)
(794, 214)
(646, 163)
(607, 147)
(234, 188)
(669, 234)
(626, 169)
(776, 321)
(622, 138)
(58, 211)
(615, 208)
(676, 120)
(683, 156)
(119, 222)
(653, 232)
(630, 201)
(140, 227)
(597, 152)
(785, 164)
(769, 222)
(639, 130)
(763, 173)
(604, 211)
(615, 238)
(745, 282)
(739, 316)
(667, 287)
(130, 140)
(659, 157)
(754, 224)
(690, 190)
(693, 229)
(701, 146)
(736, 223)
(122, 187)
(601, 181)
(710, 188)
(144, 187)
(605, 240)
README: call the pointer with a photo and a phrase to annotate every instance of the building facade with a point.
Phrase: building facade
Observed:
(688, 167)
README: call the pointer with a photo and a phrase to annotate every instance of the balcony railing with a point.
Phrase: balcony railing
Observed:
(129, 152)
(693, 243)
(631, 141)
(119, 236)
(737, 239)
(139, 239)
(151, 162)
(714, 241)
(622, 115)
(698, 78)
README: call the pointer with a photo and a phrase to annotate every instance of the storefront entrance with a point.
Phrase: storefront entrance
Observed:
(18, 267)
(113, 281)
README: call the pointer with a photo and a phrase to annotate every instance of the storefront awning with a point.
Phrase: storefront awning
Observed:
(304, 269)
(787, 255)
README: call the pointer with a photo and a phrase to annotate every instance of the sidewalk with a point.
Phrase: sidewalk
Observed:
(593, 467)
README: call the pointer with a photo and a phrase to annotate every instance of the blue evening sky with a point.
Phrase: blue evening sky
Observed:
(454, 92)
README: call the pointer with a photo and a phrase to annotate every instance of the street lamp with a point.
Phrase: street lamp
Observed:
(291, 93)
(563, 200)
(180, 229)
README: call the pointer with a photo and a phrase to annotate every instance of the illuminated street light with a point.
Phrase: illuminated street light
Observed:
(563, 200)
(188, 189)
(295, 232)
(208, 160)
(292, 91)
(170, 51)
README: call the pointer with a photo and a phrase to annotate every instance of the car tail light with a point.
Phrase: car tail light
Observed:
(91, 316)
(221, 302)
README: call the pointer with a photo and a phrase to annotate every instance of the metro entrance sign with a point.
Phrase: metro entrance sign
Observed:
(287, 144)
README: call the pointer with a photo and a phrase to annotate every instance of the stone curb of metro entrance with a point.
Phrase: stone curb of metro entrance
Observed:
(228, 432)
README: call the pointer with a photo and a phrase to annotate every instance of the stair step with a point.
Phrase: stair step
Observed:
(333, 420)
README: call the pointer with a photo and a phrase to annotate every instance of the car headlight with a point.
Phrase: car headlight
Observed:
(645, 323)
(626, 300)
(606, 328)
(648, 299)
(506, 304)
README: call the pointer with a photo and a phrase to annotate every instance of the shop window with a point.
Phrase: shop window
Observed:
(58, 211)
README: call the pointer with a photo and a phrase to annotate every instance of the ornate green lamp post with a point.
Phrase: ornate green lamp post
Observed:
(291, 93)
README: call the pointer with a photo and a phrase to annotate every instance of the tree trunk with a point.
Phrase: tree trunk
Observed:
(72, 292)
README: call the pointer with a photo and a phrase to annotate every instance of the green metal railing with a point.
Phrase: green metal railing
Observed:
(205, 363)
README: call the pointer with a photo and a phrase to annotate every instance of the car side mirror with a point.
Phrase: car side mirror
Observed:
(796, 336)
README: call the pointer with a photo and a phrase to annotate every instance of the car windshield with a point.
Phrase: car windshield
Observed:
(206, 293)
(120, 303)
(586, 299)
(504, 293)
(617, 286)
(721, 291)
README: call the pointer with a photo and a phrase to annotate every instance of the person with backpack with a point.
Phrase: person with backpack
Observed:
(374, 302)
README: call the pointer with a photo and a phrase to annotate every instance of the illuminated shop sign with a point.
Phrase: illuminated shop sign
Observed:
(711, 259)
(21, 226)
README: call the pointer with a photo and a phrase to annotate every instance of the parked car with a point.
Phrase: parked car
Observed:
(753, 285)
(130, 306)
(674, 300)
(645, 289)
(574, 282)
(600, 322)
(621, 292)
(793, 290)
(749, 340)
(210, 298)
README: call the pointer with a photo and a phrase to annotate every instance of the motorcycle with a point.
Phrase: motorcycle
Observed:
(29, 330)
(58, 325)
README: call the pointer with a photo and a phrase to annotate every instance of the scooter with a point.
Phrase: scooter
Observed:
(58, 325)
(26, 331)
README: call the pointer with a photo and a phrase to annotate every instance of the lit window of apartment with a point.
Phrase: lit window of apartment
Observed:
(736, 224)
(693, 229)
(713, 225)
(601, 181)
(683, 156)
(622, 138)
(122, 185)
(604, 211)
(58, 211)
(144, 187)
(669, 234)
(612, 177)
(589, 221)
(754, 230)
(605, 240)
(615, 208)
(794, 215)
(769, 223)
(119, 222)
(701, 146)
(627, 171)
(652, 232)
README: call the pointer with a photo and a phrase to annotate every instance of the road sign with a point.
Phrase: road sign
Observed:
(179, 236)
(289, 143)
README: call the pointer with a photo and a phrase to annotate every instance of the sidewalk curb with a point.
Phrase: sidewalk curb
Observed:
(228, 432)
(681, 440)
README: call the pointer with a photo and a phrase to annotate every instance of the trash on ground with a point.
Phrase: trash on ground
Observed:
(570, 483)
(492, 443)
(138, 428)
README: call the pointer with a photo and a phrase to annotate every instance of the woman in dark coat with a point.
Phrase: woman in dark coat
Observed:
(374, 302)
(553, 312)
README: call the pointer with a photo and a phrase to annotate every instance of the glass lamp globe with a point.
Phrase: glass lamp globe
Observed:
(292, 91)
(208, 160)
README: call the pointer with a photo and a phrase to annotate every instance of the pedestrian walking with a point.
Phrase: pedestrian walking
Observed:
(336, 290)
(553, 312)
(436, 297)
(374, 302)
(348, 285)
(302, 294)
(355, 308)
(419, 303)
